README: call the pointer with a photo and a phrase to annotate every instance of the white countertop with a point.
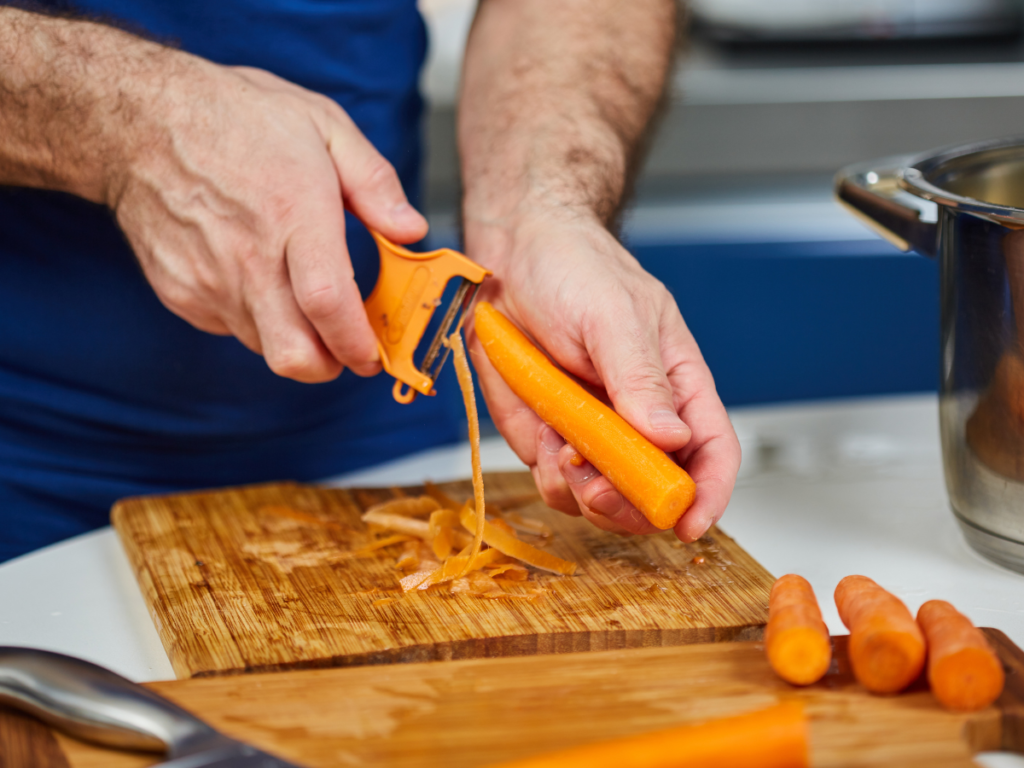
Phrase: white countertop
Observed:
(827, 489)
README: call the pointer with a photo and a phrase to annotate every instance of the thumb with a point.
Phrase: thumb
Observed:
(640, 391)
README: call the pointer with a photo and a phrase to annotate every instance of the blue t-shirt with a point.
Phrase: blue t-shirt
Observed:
(104, 393)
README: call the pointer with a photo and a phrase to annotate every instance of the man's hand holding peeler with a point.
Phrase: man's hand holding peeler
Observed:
(555, 99)
(229, 182)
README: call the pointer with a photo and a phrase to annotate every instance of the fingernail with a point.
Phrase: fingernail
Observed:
(664, 418)
(579, 474)
(551, 440)
(707, 528)
(608, 503)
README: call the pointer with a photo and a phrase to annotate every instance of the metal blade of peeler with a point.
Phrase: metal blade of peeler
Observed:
(464, 296)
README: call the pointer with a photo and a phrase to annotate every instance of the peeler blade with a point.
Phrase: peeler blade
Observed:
(437, 351)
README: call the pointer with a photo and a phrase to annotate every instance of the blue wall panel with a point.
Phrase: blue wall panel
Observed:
(792, 321)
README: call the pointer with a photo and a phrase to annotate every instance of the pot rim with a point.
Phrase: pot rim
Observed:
(913, 177)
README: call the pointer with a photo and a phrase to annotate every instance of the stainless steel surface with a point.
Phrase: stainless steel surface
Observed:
(455, 314)
(978, 236)
(236, 756)
(854, 19)
(95, 704)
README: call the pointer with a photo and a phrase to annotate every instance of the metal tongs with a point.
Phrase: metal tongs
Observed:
(97, 705)
(408, 290)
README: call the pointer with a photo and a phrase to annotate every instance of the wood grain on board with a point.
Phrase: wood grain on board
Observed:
(476, 712)
(265, 578)
(27, 743)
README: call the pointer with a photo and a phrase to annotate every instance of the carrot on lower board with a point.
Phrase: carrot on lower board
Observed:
(963, 671)
(769, 738)
(887, 647)
(642, 472)
(796, 639)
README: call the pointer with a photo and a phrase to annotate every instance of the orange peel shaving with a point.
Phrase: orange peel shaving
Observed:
(510, 571)
(460, 565)
(527, 524)
(506, 542)
(442, 531)
(438, 536)
(374, 546)
(416, 506)
(465, 378)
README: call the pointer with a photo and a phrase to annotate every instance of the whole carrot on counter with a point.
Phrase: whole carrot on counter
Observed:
(796, 639)
(887, 647)
(769, 738)
(638, 469)
(963, 671)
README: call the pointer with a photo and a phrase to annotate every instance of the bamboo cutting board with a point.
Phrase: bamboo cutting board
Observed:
(473, 713)
(264, 578)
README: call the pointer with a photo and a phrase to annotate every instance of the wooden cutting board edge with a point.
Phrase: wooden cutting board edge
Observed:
(1011, 702)
(484, 647)
(26, 742)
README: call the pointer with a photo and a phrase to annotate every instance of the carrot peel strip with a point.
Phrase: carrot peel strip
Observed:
(442, 532)
(466, 385)
(413, 580)
(442, 498)
(527, 524)
(458, 566)
(506, 542)
(374, 546)
(417, 506)
(510, 571)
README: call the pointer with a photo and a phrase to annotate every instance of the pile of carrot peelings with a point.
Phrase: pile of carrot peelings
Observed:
(448, 548)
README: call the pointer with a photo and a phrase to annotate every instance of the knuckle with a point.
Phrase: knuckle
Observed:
(552, 490)
(293, 363)
(551, 487)
(643, 379)
(320, 303)
(380, 174)
(180, 297)
(277, 211)
(354, 351)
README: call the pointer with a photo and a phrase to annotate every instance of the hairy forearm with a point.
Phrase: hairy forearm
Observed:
(71, 92)
(556, 98)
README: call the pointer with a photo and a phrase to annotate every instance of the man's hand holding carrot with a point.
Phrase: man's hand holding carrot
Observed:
(556, 99)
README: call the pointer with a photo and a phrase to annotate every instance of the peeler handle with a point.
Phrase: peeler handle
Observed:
(95, 704)
(408, 290)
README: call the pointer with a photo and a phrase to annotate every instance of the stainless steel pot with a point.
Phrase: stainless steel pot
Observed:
(965, 206)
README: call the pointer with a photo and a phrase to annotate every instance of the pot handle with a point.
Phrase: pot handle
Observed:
(93, 703)
(872, 192)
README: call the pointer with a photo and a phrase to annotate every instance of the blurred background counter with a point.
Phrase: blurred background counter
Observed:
(789, 297)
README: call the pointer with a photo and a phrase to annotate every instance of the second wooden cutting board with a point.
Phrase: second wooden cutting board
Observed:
(266, 578)
(474, 713)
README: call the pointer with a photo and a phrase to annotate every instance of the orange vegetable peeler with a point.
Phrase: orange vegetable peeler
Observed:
(408, 291)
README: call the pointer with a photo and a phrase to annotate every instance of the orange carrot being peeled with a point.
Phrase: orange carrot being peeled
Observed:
(796, 640)
(887, 647)
(963, 671)
(770, 738)
(641, 471)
